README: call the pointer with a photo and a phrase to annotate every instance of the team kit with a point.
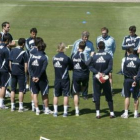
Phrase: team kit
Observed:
(26, 64)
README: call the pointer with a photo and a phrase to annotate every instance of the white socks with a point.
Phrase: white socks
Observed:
(97, 112)
(65, 109)
(77, 110)
(55, 108)
(1, 102)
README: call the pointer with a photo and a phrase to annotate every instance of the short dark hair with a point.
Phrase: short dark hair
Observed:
(130, 50)
(41, 46)
(101, 45)
(33, 30)
(132, 28)
(4, 24)
(38, 40)
(21, 41)
(82, 45)
(6, 37)
(104, 28)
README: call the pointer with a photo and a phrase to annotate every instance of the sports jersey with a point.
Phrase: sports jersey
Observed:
(79, 67)
(4, 58)
(88, 49)
(18, 58)
(11, 38)
(37, 65)
(110, 44)
(29, 44)
(101, 62)
(62, 64)
(130, 41)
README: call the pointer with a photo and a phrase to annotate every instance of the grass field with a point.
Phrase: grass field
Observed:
(62, 22)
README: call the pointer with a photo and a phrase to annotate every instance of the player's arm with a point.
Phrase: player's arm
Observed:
(109, 68)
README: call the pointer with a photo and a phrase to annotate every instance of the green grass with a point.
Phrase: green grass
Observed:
(62, 22)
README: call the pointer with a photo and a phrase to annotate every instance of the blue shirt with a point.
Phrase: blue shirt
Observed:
(37, 65)
(110, 44)
(62, 64)
(18, 58)
(4, 58)
(88, 49)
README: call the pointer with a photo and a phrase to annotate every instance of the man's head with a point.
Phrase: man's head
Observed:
(6, 38)
(130, 50)
(104, 32)
(21, 42)
(5, 27)
(101, 45)
(82, 45)
(38, 40)
(61, 47)
(132, 30)
(85, 35)
(41, 46)
(33, 33)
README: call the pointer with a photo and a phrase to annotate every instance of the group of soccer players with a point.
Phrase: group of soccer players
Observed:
(24, 66)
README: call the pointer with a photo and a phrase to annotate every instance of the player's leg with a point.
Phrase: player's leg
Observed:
(111, 81)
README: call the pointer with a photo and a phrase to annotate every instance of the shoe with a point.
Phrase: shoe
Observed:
(112, 116)
(85, 97)
(65, 115)
(124, 116)
(38, 112)
(55, 114)
(22, 109)
(13, 109)
(4, 107)
(77, 114)
(136, 116)
(98, 117)
(48, 112)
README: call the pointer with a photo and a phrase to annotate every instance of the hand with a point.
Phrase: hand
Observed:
(35, 79)
(92, 53)
(134, 84)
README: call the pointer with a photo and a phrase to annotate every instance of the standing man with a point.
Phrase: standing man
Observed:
(110, 47)
(87, 51)
(80, 74)
(132, 40)
(101, 64)
(131, 71)
(18, 64)
(62, 64)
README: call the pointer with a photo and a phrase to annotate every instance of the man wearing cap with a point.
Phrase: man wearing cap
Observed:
(131, 71)
(101, 64)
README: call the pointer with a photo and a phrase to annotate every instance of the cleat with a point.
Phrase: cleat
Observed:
(112, 116)
(77, 114)
(124, 116)
(55, 114)
(85, 97)
(98, 117)
(65, 115)
(48, 112)
(136, 116)
(4, 107)
(13, 109)
(22, 110)
(38, 112)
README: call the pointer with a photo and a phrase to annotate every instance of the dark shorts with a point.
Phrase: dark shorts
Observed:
(128, 85)
(4, 79)
(42, 85)
(78, 83)
(98, 87)
(61, 87)
(21, 81)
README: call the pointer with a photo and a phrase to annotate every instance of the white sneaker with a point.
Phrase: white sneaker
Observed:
(124, 116)
(13, 109)
(22, 109)
(4, 107)
(38, 112)
(48, 112)
(136, 115)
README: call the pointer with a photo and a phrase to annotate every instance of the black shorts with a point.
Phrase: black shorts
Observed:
(42, 85)
(78, 83)
(128, 85)
(4, 79)
(21, 81)
(61, 87)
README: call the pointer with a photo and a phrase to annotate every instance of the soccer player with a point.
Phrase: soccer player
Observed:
(110, 47)
(132, 40)
(62, 64)
(39, 82)
(18, 64)
(88, 50)
(4, 68)
(80, 74)
(131, 71)
(101, 63)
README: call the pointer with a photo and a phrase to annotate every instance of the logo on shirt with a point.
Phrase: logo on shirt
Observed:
(77, 66)
(131, 65)
(57, 64)
(100, 60)
(35, 63)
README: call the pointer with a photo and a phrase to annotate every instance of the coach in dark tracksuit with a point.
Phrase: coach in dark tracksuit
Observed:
(131, 71)
(101, 63)
(80, 74)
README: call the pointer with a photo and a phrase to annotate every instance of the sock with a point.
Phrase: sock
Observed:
(112, 113)
(32, 103)
(65, 109)
(21, 105)
(37, 109)
(1, 102)
(55, 108)
(76, 110)
(126, 112)
(97, 112)
(12, 105)
(136, 112)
